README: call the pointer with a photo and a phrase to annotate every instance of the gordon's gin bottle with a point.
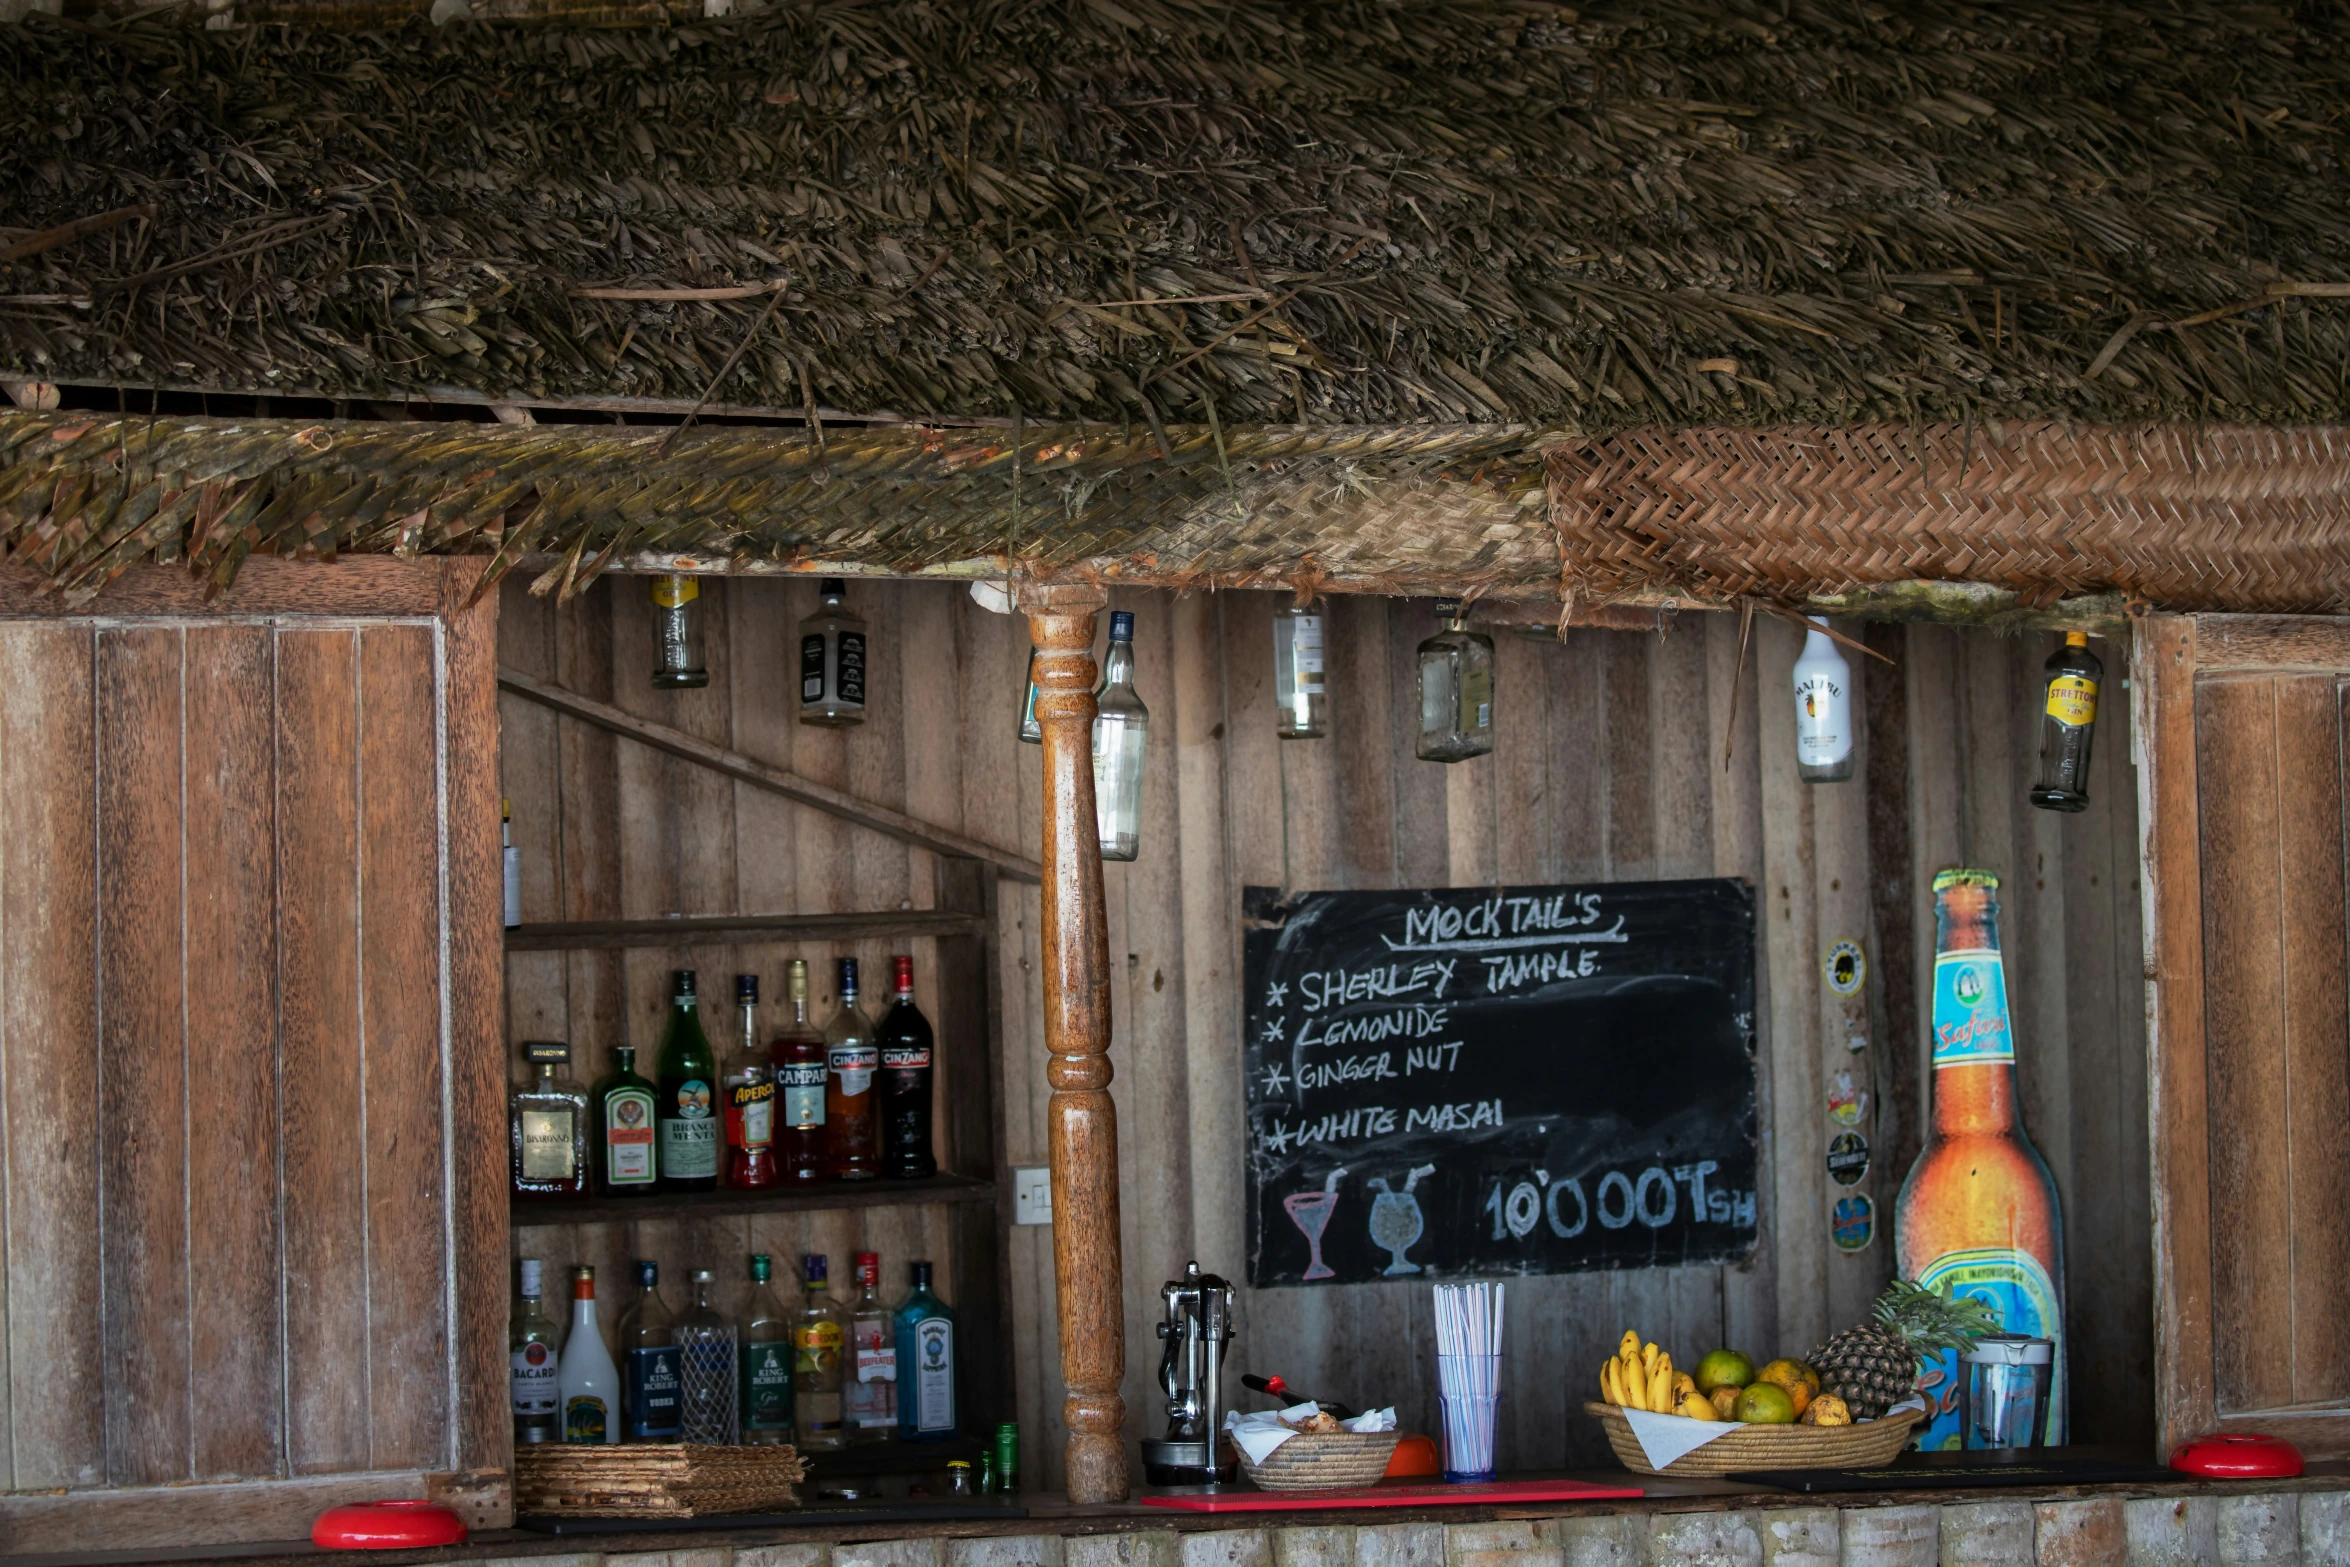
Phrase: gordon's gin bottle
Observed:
(1979, 1212)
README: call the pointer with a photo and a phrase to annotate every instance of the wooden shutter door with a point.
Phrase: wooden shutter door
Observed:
(251, 1107)
(2243, 726)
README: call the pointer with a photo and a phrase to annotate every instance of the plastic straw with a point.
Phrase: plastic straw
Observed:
(1469, 1319)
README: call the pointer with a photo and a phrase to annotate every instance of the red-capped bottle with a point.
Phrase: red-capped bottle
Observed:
(798, 1054)
(750, 1098)
(905, 1083)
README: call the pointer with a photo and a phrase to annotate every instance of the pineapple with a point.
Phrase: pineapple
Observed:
(1874, 1365)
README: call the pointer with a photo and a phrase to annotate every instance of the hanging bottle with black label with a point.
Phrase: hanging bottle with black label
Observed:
(2068, 722)
(832, 661)
(1823, 709)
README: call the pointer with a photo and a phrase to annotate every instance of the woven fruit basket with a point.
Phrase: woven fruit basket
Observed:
(1858, 1446)
(1324, 1461)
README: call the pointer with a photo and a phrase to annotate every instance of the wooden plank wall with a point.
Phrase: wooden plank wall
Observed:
(1610, 766)
(228, 1223)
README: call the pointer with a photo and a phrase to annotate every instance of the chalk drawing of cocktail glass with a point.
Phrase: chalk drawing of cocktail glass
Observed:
(1395, 1219)
(1310, 1212)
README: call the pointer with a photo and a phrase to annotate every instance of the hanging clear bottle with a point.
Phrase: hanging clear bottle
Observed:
(1302, 701)
(1823, 709)
(2068, 722)
(1030, 730)
(832, 661)
(677, 632)
(1121, 725)
(1456, 689)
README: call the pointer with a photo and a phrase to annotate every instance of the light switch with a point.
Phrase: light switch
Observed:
(1032, 1196)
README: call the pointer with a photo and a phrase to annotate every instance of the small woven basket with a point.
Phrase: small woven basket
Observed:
(1858, 1446)
(1324, 1461)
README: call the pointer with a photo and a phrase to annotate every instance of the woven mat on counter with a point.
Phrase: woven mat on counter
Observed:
(671, 1480)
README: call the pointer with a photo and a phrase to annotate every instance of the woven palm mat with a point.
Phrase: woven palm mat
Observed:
(2223, 518)
(669, 1479)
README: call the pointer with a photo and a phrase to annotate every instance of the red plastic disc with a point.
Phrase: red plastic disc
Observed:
(2238, 1455)
(387, 1526)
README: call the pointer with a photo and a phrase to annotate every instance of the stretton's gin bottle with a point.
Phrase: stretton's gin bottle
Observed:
(2068, 721)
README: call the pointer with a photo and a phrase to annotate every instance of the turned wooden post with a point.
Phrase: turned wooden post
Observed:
(1077, 1033)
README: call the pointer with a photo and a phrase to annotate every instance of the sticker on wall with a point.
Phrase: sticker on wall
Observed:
(1846, 1103)
(1845, 968)
(1854, 1223)
(1848, 1158)
(1857, 1040)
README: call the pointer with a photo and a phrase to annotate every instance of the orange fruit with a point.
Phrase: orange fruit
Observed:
(1801, 1382)
(1765, 1403)
(1724, 1368)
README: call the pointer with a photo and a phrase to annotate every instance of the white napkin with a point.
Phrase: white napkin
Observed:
(1664, 1438)
(1259, 1433)
(1912, 1402)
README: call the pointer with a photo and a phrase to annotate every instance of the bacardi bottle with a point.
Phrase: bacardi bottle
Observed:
(832, 661)
(750, 1097)
(926, 1370)
(535, 1378)
(547, 1127)
(817, 1339)
(870, 1375)
(905, 1082)
(765, 1400)
(800, 1074)
(591, 1387)
(625, 1118)
(689, 1092)
(2068, 722)
(1979, 1211)
(649, 1353)
(851, 1140)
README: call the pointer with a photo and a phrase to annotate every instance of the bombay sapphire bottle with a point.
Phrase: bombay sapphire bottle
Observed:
(1121, 725)
(925, 1364)
(1456, 689)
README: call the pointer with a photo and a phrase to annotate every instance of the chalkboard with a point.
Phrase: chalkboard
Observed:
(1498, 1080)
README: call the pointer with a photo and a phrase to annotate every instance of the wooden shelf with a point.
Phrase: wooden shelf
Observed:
(722, 1204)
(719, 929)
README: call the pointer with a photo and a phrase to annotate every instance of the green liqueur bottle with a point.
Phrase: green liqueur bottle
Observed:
(766, 1361)
(624, 1120)
(689, 1097)
(650, 1363)
(926, 1364)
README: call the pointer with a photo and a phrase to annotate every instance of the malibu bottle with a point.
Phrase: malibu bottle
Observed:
(904, 1086)
(689, 1095)
(1979, 1211)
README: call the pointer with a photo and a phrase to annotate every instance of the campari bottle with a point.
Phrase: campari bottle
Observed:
(1978, 1214)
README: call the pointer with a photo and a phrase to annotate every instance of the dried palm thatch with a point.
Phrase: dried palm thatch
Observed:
(2226, 518)
(84, 496)
(1331, 212)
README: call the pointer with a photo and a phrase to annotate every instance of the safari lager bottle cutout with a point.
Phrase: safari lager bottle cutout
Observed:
(1979, 1212)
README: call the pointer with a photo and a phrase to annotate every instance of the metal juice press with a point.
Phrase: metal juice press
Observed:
(1191, 1371)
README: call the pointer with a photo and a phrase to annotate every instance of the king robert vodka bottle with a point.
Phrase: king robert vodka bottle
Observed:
(1823, 709)
(648, 1340)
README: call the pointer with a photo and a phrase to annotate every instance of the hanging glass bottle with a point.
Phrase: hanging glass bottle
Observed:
(1456, 689)
(1303, 702)
(677, 632)
(2068, 722)
(832, 661)
(1823, 709)
(1120, 726)
(1030, 730)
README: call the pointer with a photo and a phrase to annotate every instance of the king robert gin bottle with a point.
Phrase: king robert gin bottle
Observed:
(1823, 709)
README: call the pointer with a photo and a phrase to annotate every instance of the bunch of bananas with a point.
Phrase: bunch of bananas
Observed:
(1639, 1376)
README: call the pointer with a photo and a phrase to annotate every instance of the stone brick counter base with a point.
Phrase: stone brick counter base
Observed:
(2311, 1529)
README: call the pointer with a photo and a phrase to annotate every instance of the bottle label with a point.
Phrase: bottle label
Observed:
(934, 1374)
(1305, 645)
(584, 1419)
(906, 1057)
(689, 1138)
(2015, 1285)
(852, 669)
(547, 1146)
(803, 1094)
(655, 1411)
(853, 1065)
(1823, 722)
(675, 592)
(1970, 1009)
(628, 1138)
(750, 1114)
(513, 859)
(812, 667)
(2072, 701)
(877, 1363)
(766, 1396)
(1477, 700)
(816, 1347)
(533, 1382)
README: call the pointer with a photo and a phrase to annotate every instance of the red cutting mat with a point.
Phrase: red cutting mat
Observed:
(1486, 1491)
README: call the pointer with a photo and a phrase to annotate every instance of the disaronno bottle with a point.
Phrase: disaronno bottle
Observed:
(1979, 1210)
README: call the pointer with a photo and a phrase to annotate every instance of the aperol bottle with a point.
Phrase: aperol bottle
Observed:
(1979, 1211)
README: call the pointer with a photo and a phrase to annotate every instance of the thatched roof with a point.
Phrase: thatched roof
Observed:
(1355, 212)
